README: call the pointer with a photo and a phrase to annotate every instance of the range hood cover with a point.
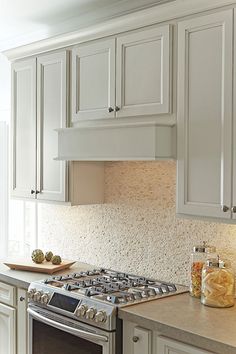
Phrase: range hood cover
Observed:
(116, 142)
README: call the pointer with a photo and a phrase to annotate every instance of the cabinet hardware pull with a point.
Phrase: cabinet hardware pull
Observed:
(224, 208)
(135, 339)
(110, 109)
(233, 209)
(117, 108)
(37, 192)
(32, 191)
(22, 298)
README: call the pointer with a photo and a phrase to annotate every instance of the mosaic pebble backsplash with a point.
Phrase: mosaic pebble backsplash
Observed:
(136, 230)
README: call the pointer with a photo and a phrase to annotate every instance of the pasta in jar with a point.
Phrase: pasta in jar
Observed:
(199, 256)
(217, 284)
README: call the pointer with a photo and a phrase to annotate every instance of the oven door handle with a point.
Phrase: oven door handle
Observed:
(78, 332)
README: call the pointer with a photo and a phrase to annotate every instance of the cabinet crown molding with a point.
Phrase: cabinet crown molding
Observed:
(150, 16)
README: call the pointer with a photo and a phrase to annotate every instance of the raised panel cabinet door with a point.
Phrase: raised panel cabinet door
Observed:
(142, 341)
(170, 346)
(51, 114)
(143, 72)
(234, 129)
(7, 330)
(204, 115)
(22, 322)
(93, 80)
(23, 129)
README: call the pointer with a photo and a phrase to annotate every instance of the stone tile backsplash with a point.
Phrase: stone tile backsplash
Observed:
(136, 230)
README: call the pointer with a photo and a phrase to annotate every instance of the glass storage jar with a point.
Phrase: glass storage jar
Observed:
(217, 284)
(199, 256)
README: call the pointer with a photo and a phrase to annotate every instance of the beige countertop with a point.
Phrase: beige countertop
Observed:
(183, 318)
(22, 279)
(180, 317)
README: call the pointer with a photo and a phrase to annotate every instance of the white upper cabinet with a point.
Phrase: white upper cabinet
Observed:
(234, 129)
(143, 72)
(23, 174)
(93, 80)
(204, 115)
(127, 76)
(51, 114)
(35, 173)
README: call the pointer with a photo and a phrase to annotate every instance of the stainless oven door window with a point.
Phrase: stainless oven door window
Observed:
(57, 335)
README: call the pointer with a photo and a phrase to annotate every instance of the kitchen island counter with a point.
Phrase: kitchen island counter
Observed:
(183, 318)
(22, 279)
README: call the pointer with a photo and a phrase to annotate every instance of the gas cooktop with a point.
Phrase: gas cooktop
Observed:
(113, 287)
(95, 295)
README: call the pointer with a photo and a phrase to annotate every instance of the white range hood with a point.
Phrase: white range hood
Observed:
(117, 142)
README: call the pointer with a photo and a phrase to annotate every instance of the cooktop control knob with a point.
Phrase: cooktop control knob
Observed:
(101, 316)
(45, 298)
(90, 313)
(37, 296)
(30, 293)
(81, 311)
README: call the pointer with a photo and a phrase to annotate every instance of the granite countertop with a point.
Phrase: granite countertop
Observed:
(22, 279)
(183, 318)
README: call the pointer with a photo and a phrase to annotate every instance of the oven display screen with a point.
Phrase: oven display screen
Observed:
(64, 302)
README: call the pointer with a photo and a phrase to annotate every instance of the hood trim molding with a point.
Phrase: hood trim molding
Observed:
(117, 143)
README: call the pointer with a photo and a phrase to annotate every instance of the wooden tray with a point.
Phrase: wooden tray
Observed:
(45, 267)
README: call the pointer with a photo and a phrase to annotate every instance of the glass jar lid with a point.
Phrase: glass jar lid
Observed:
(219, 263)
(204, 248)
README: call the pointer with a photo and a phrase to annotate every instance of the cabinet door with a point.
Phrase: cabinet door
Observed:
(22, 335)
(205, 115)
(234, 128)
(142, 341)
(7, 330)
(170, 346)
(23, 135)
(51, 114)
(93, 80)
(143, 72)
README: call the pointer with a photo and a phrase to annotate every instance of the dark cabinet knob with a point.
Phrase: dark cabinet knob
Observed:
(37, 192)
(117, 108)
(110, 109)
(233, 209)
(32, 191)
(135, 339)
(225, 208)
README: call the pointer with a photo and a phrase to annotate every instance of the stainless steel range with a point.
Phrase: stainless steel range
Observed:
(84, 306)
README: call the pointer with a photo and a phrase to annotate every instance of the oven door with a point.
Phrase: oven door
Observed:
(56, 334)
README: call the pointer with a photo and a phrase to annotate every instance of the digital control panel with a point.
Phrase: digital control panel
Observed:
(64, 302)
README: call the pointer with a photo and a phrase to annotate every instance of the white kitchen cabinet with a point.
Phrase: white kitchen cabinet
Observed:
(93, 80)
(139, 340)
(13, 320)
(22, 322)
(7, 329)
(23, 128)
(127, 76)
(51, 114)
(7, 319)
(234, 129)
(35, 172)
(143, 72)
(204, 116)
(170, 346)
